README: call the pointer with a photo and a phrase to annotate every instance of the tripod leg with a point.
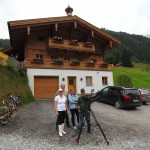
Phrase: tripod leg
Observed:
(97, 123)
(81, 127)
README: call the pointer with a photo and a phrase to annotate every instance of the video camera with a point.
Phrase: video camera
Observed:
(89, 98)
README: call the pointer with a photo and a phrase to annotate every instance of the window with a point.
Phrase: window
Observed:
(39, 56)
(89, 81)
(104, 80)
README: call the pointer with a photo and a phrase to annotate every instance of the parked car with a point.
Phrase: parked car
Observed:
(145, 95)
(120, 96)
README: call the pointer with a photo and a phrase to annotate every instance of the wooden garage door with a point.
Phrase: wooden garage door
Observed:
(45, 87)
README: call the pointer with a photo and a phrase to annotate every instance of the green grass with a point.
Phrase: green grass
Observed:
(14, 80)
(140, 78)
(142, 67)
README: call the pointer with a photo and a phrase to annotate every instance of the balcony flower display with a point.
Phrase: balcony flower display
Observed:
(88, 44)
(37, 61)
(104, 65)
(57, 61)
(74, 41)
(75, 62)
(58, 39)
(91, 62)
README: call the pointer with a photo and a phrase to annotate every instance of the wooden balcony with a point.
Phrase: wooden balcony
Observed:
(47, 63)
(66, 44)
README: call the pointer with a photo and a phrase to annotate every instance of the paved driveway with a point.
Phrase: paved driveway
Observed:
(34, 129)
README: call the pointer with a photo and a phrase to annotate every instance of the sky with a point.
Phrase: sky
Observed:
(130, 16)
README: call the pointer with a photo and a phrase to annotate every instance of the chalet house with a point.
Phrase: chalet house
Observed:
(62, 50)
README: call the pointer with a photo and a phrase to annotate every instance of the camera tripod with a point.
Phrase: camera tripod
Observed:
(97, 123)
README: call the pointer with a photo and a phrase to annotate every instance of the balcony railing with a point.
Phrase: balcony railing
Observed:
(66, 44)
(48, 63)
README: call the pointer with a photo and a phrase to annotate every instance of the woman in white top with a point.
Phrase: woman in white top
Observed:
(60, 106)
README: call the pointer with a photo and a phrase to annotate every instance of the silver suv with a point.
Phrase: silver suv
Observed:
(145, 95)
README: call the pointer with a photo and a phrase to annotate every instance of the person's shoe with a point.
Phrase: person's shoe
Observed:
(75, 127)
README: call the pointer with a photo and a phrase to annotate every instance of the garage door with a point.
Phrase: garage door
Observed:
(45, 87)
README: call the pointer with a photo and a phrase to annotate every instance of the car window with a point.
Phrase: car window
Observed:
(105, 90)
(132, 91)
(120, 91)
(112, 90)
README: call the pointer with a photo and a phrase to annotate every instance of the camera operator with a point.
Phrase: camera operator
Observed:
(84, 111)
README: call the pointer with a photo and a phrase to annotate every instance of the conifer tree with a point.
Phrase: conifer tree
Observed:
(126, 59)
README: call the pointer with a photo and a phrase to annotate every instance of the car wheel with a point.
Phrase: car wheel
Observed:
(144, 102)
(118, 104)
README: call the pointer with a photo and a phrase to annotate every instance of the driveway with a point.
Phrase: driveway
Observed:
(34, 129)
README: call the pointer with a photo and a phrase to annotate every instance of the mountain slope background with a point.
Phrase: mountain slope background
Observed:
(138, 46)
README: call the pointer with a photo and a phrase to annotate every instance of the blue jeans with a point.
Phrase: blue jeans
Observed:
(84, 115)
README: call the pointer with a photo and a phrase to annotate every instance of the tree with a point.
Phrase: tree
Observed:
(126, 59)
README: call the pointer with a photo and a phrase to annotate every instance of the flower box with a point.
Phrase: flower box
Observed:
(88, 44)
(57, 61)
(90, 63)
(104, 65)
(75, 62)
(37, 61)
(57, 39)
(74, 42)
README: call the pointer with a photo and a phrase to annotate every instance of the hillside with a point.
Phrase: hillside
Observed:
(137, 45)
(14, 80)
(140, 75)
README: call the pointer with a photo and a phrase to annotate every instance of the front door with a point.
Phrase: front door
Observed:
(72, 83)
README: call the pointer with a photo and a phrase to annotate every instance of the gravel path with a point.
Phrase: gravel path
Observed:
(34, 129)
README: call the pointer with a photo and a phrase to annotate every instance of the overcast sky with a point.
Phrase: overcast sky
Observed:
(131, 16)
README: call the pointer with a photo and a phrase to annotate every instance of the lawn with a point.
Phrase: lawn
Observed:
(140, 79)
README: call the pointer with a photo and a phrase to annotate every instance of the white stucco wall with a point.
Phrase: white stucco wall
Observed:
(96, 76)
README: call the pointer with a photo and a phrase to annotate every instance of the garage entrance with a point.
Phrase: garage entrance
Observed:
(45, 87)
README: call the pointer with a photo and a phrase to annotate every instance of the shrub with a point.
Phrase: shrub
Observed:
(124, 80)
